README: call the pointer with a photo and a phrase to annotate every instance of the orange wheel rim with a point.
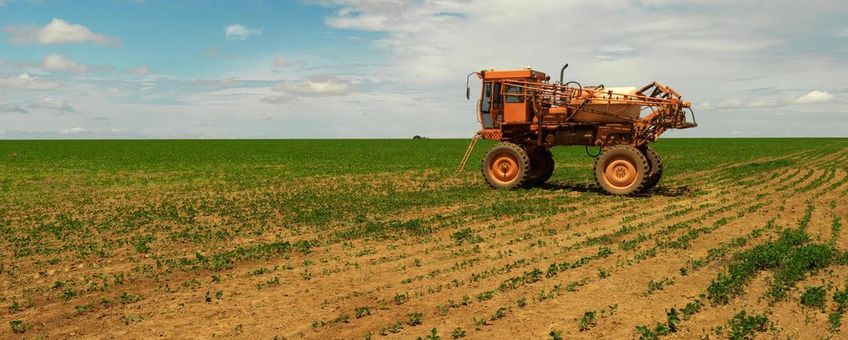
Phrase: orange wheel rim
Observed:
(504, 168)
(620, 173)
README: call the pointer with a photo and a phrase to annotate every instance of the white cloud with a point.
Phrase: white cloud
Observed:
(294, 90)
(387, 15)
(60, 63)
(27, 82)
(317, 88)
(813, 97)
(57, 31)
(52, 104)
(240, 32)
(73, 130)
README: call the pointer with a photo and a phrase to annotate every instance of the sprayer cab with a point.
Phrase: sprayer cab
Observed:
(502, 103)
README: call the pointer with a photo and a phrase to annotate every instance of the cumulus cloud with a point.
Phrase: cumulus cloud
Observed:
(27, 82)
(240, 32)
(57, 31)
(60, 63)
(813, 97)
(52, 104)
(294, 90)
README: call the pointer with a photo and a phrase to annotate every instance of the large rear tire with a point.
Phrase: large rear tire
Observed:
(541, 167)
(656, 164)
(621, 170)
(506, 166)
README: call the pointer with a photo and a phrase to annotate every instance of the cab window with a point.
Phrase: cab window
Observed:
(486, 103)
(513, 94)
(497, 101)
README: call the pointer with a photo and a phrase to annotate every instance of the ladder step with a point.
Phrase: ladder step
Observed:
(468, 152)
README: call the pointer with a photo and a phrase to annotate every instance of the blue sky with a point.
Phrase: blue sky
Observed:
(380, 68)
(180, 38)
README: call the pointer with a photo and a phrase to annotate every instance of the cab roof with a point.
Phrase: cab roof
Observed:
(512, 74)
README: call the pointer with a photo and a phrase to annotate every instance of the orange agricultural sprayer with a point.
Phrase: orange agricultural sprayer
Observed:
(528, 115)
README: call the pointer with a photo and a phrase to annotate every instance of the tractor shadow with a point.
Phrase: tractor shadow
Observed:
(661, 190)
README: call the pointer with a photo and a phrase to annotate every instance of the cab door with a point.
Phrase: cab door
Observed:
(515, 107)
(491, 105)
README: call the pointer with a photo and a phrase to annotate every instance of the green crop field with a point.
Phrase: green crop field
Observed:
(381, 238)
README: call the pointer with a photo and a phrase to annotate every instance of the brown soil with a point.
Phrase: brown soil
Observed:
(463, 286)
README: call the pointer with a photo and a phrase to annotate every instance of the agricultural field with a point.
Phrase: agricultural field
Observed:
(356, 239)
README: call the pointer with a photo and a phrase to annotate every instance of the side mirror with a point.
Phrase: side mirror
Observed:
(468, 86)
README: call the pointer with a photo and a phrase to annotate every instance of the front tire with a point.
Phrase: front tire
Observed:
(621, 170)
(506, 166)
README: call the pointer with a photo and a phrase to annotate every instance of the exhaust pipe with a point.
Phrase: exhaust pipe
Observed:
(561, 72)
